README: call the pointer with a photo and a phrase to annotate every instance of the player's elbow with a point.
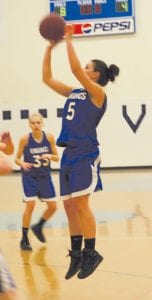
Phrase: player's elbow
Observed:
(45, 79)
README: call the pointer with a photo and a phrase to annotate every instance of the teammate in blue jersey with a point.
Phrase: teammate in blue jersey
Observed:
(34, 154)
(80, 164)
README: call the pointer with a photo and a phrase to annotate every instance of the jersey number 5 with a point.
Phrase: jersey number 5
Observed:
(71, 111)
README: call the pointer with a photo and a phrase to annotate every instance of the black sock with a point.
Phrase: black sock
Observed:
(25, 232)
(76, 242)
(89, 243)
(41, 222)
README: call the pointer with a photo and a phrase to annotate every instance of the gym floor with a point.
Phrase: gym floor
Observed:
(124, 236)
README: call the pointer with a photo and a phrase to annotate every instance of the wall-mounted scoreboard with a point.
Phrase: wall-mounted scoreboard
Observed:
(97, 17)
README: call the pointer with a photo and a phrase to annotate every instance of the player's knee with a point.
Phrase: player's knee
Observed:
(70, 208)
(52, 206)
(82, 205)
(30, 207)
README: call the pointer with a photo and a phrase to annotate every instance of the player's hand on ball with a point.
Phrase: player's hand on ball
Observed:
(69, 31)
(52, 44)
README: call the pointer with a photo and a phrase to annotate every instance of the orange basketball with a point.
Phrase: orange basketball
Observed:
(52, 27)
(5, 166)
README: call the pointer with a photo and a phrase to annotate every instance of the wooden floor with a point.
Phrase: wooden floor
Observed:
(124, 237)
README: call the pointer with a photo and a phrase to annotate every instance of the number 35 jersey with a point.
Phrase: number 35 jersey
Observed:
(32, 154)
(80, 119)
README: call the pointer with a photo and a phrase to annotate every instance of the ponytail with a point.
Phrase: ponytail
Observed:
(113, 71)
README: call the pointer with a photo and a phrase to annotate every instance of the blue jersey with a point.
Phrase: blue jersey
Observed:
(80, 119)
(32, 153)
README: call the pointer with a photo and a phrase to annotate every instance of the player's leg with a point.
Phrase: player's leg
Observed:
(46, 194)
(76, 237)
(30, 192)
(91, 258)
(48, 213)
(84, 180)
(73, 222)
(25, 244)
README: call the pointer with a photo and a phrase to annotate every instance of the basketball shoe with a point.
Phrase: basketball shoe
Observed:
(25, 245)
(75, 263)
(90, 261)
(37, 230)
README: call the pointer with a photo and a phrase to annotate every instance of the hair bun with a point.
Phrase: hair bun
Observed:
(113, 71)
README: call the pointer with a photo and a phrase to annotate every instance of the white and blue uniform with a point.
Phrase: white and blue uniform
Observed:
(80, 164)
(37, 181)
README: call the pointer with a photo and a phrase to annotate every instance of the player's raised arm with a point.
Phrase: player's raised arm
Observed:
(47, 75)
(94, 76)
(89, 83)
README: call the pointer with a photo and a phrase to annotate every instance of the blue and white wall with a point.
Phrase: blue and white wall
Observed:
(125, 132)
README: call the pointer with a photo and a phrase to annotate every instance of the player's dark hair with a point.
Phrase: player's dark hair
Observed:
(106, 73)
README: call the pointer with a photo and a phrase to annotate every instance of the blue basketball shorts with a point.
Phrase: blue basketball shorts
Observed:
(80, 178)
(38, 187)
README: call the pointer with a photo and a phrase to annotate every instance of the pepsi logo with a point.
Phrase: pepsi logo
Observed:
(86, 28)
(82, 28)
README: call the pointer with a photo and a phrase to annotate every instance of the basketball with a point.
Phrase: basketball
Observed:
(5, 166)
(52, 27)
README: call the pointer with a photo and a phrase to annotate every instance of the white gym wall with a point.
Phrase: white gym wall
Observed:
(125, 132)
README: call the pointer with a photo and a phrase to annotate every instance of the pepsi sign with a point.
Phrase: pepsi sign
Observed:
(104, 27)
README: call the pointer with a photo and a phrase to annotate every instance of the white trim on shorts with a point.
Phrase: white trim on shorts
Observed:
(92, 186)
(34, 198)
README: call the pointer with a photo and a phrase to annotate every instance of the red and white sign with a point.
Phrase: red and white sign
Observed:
(104, 27)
